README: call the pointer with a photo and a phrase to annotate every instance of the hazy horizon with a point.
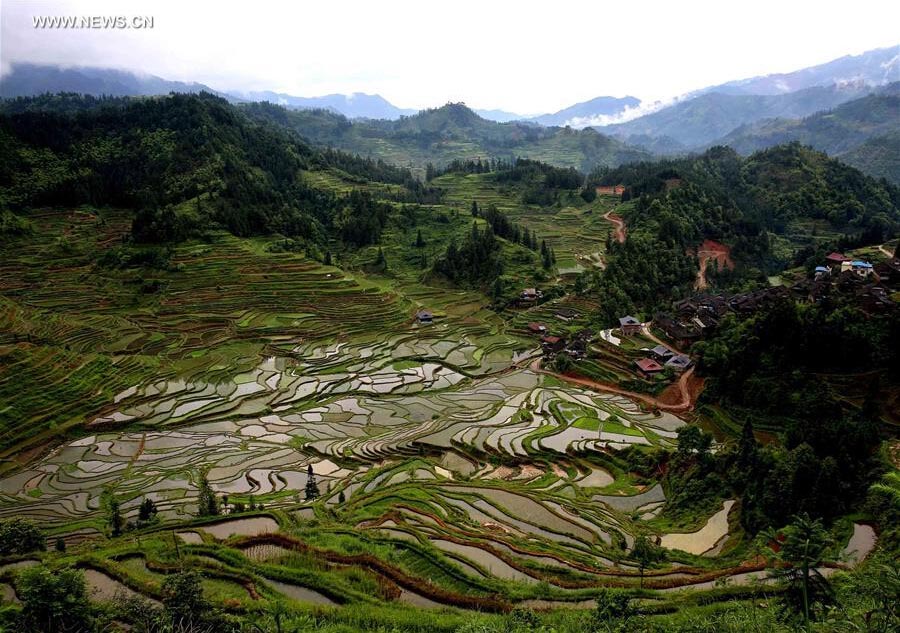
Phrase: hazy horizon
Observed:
(522, 60)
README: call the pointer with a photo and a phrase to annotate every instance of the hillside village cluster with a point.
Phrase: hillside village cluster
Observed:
(696, 317)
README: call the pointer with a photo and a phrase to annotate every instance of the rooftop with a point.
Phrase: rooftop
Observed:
(648, 365)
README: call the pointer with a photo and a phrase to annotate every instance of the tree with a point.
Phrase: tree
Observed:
(183, 599)
(747, 449)
(646, 554)
(342, 498)
(312, 488)
(113, 509)
(380, 260)
(20, 536)
(147, 512)
(613, 608)
(474, 209)
(207, 503)
(420, 242)
(692, 440)
(53, 601)
(60, 545)
(803, 545)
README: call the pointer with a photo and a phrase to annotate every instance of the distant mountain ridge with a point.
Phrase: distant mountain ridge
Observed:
(27, 80)
(875, 67)
(582, 114)
(451, 132)
(710, 116)
(355, 106)
(863, 132)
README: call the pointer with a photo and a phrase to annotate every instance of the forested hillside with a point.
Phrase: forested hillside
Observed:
(772, 209)
(838, 131)
(703, 119)
(185, 163)
(451, 132)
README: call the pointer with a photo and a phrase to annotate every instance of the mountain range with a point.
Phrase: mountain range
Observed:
(451, 132)
(825, 106)
(702, 119)
(27, 80)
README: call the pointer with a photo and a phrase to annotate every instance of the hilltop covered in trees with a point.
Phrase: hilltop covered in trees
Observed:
(185, 163)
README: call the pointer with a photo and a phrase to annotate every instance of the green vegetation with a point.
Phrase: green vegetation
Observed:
(451, 133)
(261, 386)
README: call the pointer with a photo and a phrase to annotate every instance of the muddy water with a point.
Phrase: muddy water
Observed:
(252, 526)
(298, 593)
(191, 538)
(494, 565)
(703, 539)
(102, 588)
(417, 600)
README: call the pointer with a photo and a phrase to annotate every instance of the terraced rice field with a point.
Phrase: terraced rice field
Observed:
(449, 472)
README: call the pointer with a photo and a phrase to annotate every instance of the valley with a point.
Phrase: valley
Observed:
(469, 375)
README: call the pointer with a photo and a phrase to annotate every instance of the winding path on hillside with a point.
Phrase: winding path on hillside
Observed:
(686, 396)
(710, 250)
(618, 223)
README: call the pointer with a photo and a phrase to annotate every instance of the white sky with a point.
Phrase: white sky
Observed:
(523, 56)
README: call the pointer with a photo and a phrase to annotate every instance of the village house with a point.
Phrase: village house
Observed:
(565, 314)
(661, 353)
(821, 270)
(629, 325)
(531, 294)
(679, 362)
(585, 335)
(836, 260)
(577, 348)
(648, 366)
(683, 333)
(425, 317)
(888, 273)
(553, 344)
(861, 268)
(537, 328)
(614, 190)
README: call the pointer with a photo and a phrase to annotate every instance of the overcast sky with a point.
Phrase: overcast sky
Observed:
(527, 57)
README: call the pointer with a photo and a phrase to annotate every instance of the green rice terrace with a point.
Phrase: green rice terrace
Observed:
(452, 474)
(416, 406)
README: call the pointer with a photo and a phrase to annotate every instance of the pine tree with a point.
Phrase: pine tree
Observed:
(147, 511)
(113, 512)
(381, 261)
(419, 241)
(327, 260)
(207, 504)
(474, 209)
(342, 499)
(60, 545)
(312, 488)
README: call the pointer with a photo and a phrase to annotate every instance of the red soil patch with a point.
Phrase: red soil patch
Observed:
(711, 250)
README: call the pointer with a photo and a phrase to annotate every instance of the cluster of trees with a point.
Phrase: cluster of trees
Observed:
(769, 368)
(362, 219)
(467, 166)
(187, 162)
(643, 274)
(504, 227)
(476, 262)
(719, 195)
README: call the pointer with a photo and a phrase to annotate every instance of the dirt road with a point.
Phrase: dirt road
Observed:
(685, 401)
(710, 250)
(618, 223)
